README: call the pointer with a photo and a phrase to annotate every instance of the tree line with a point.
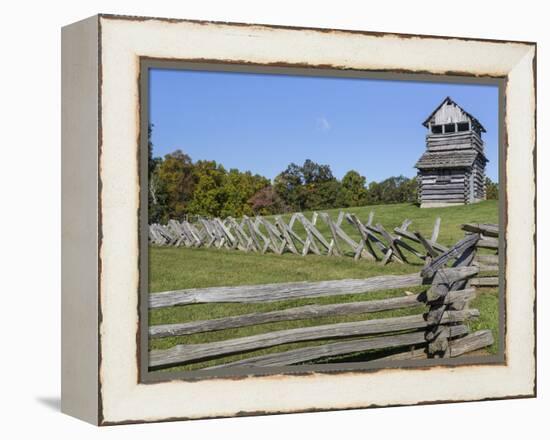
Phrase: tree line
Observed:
(179, 187)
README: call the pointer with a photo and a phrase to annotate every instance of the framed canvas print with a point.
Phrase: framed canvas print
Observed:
(262, 219)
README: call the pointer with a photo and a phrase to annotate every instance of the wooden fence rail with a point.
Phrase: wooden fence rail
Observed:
(282, 291)
(304, 312)
(194, 352)
(449, 274)
(441, 331)
(262, 234)
(488, 263)
(458, 347)
(338, 348)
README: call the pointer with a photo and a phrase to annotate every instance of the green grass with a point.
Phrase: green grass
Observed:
(181, 268)
(486, 302)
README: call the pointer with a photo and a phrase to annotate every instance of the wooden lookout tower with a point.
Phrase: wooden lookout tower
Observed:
(452, 169)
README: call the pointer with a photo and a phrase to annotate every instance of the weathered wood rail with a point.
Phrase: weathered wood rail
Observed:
(488, 263)
(304, 312)
(373, 241)
(338, 348)
(282, 291)
(439, 331)
(195, 352)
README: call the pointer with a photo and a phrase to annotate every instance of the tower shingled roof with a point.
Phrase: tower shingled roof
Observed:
(448, 159)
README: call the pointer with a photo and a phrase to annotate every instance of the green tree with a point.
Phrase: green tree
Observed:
(209, 196)
(395, 189)
(374, 193)
(408, 190)
(324, 195)
(158, 208)
(354, 191)
(152, 162)
(156, 190)
(175, 181)
(289, 186)
(491, 189)
(314, 173)
(239, 188)
(310, 186)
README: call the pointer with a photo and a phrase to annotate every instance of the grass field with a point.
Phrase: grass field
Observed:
(181, 268)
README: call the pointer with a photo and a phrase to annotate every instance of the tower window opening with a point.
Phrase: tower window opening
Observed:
(449, 128)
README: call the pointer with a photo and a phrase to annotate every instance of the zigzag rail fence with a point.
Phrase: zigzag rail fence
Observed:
(263, 235)
(449, 274)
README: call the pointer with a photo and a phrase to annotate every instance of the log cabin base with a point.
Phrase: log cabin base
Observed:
(439, 204)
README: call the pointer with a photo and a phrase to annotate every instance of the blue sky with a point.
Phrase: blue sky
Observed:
(261, 122)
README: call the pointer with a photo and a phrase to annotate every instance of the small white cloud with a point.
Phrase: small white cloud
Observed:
(323, 124)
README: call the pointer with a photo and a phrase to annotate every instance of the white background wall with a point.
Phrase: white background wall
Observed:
(30, 216)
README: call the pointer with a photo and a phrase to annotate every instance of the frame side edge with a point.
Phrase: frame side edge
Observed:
(79, 220)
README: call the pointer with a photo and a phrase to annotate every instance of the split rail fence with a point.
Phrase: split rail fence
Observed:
(440, 331)
(488, 262)
(263, 235)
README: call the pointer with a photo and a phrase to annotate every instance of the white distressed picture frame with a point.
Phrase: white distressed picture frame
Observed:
(101, 200)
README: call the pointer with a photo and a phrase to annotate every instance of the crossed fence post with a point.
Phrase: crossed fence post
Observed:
(445, 280)
(374, 242)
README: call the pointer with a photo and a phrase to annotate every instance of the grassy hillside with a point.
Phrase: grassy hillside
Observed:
(180, 268)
